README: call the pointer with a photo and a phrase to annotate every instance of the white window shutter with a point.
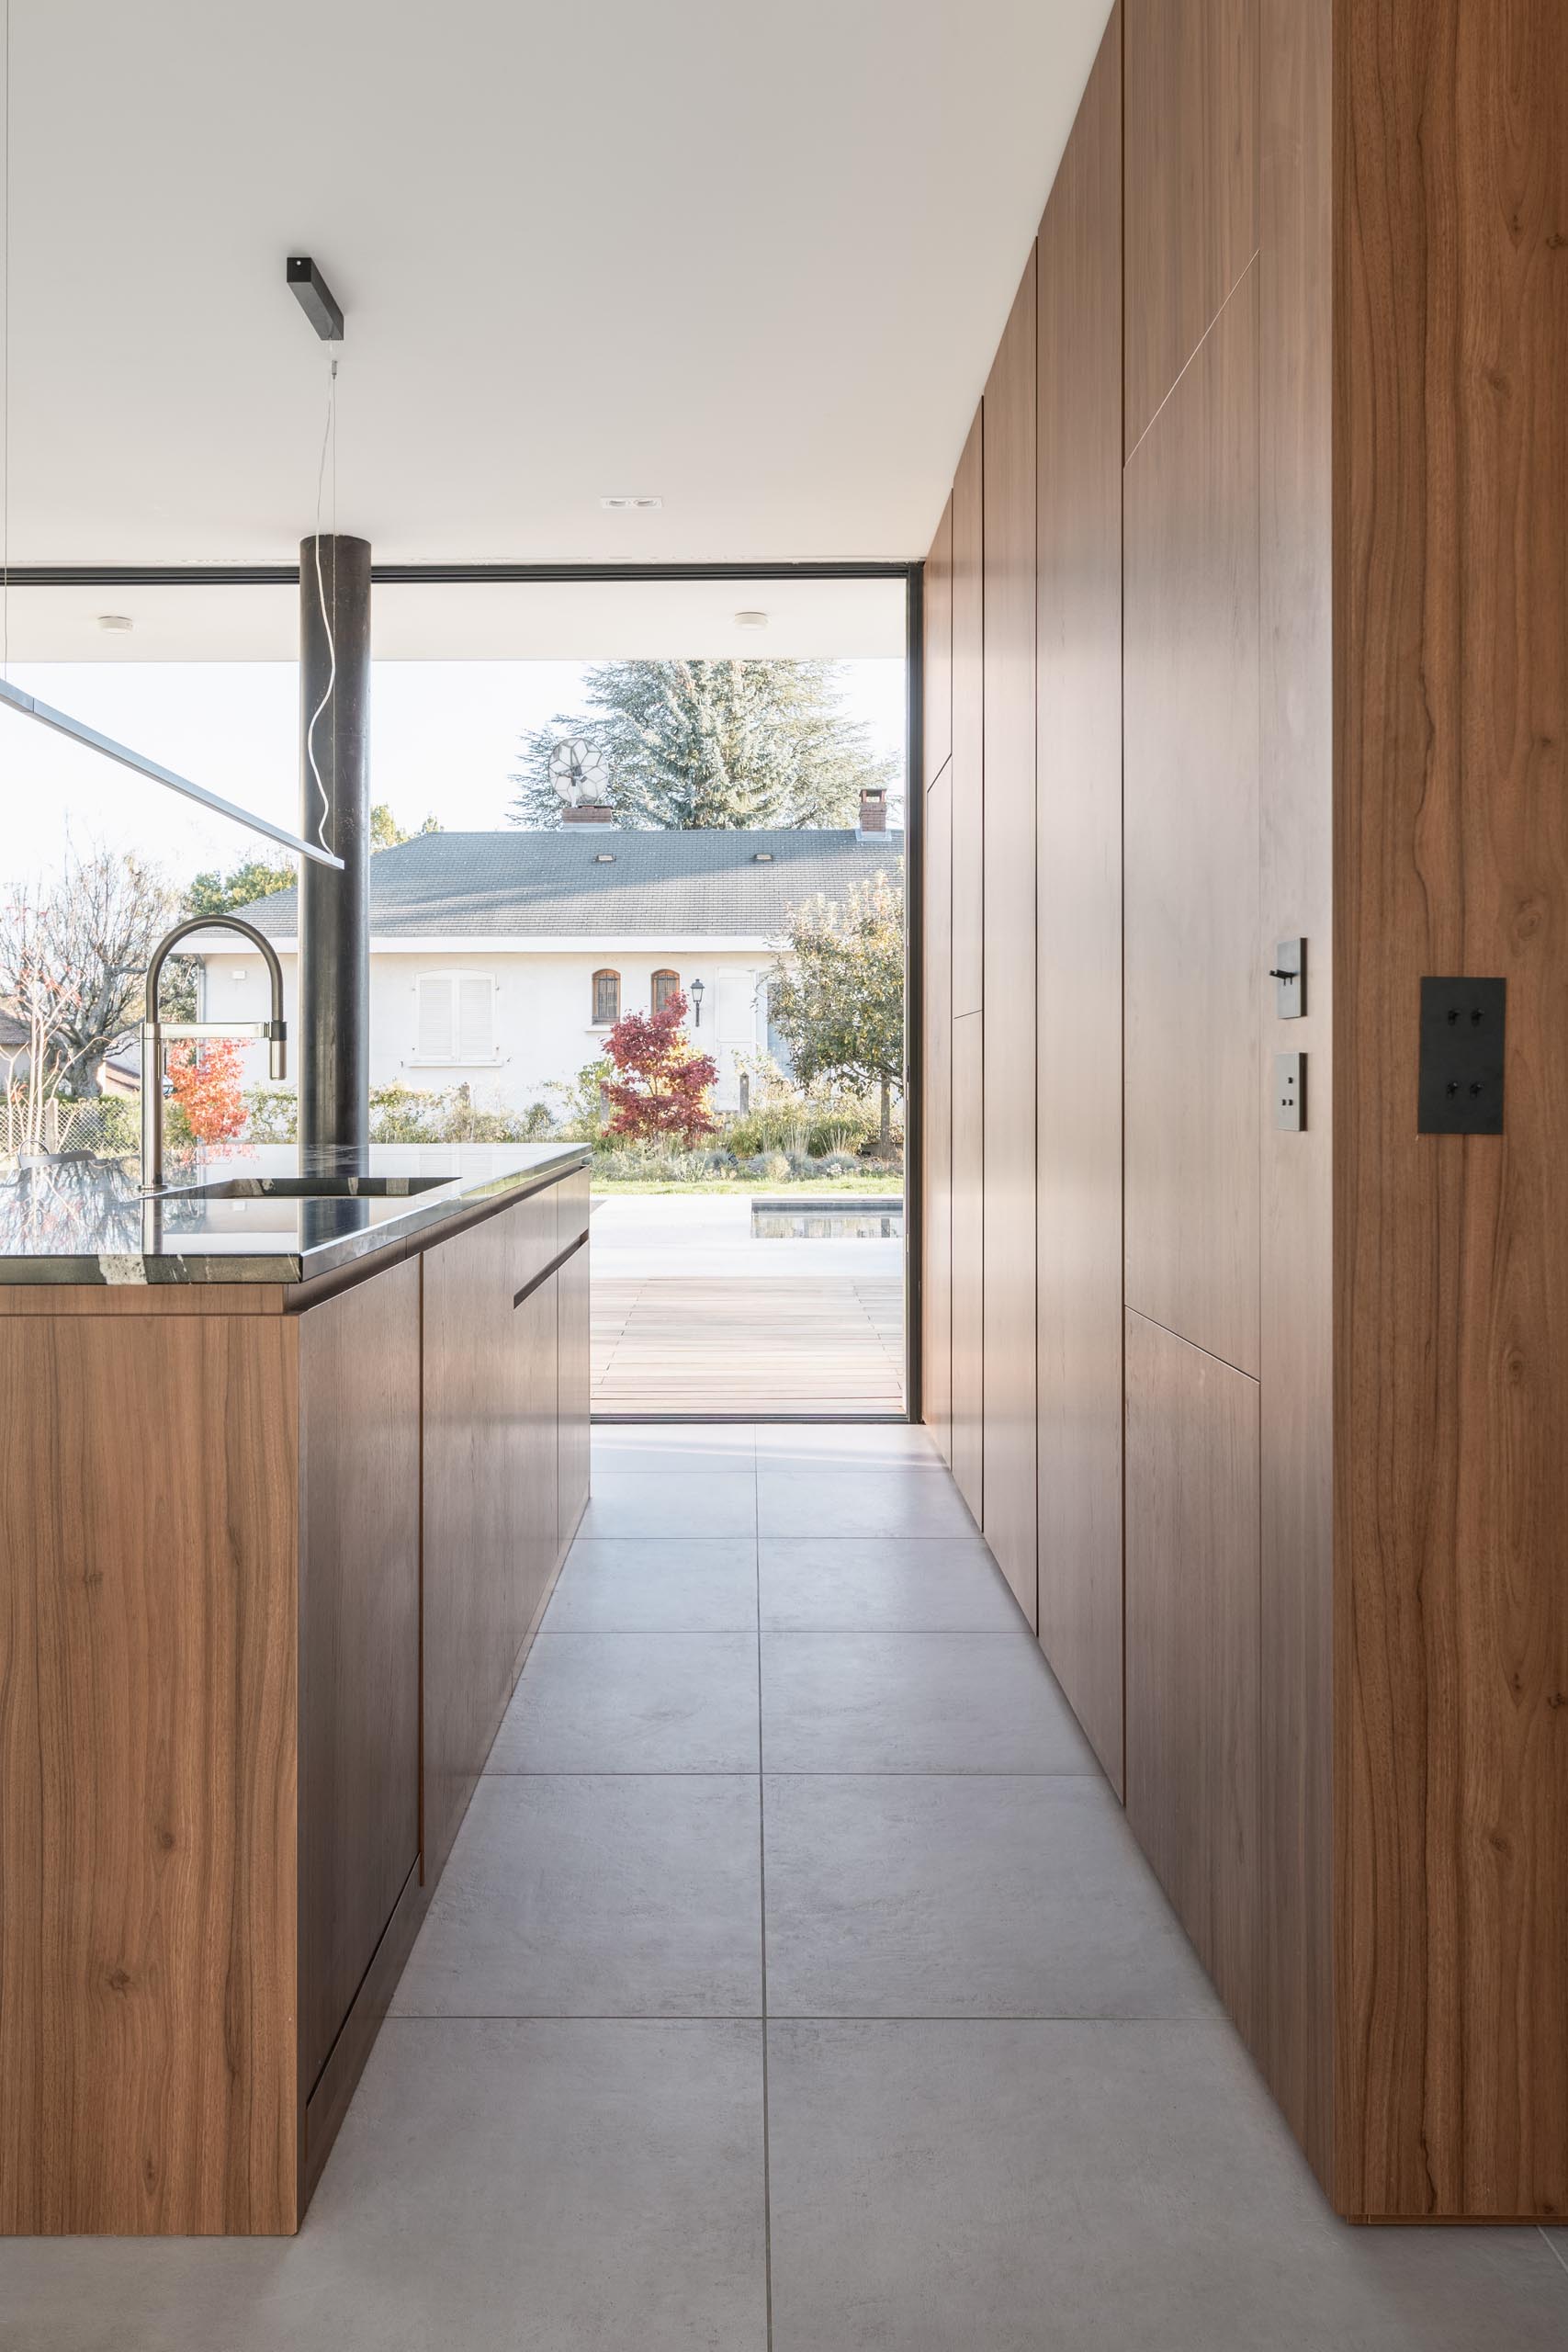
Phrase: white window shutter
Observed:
(476, 1017)
(435, 1040)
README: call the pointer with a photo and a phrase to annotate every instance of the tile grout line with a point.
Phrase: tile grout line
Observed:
(1552, 2247)
(763, 1915)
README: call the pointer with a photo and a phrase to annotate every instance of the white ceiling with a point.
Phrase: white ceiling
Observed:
(751, 259)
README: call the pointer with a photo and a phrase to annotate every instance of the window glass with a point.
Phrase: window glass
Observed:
(665, 986)
(607, 997)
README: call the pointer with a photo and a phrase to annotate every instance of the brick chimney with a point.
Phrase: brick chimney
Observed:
(873, 810)
(589, 812)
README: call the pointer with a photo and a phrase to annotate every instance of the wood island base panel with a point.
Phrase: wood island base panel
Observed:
(270, 1564)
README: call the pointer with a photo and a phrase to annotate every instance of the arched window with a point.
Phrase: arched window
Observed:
(607, 999)
(665, 986)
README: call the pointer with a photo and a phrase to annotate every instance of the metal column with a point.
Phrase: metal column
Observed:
(335, 908)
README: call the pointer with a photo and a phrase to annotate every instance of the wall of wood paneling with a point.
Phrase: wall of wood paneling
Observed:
(1450, 335)
(1078, 871)
(1192, 220)
(1192, 1633)
(1009, 951)
(969, 727)
(1333, 633)
(1192, 965)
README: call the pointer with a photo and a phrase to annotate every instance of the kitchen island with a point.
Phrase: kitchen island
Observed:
(290, 1466)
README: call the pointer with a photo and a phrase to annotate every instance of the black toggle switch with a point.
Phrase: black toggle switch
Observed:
(1461, 1085)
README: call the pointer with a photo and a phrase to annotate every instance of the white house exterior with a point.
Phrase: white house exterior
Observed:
(502, 959)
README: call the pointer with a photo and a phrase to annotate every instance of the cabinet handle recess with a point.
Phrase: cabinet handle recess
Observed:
(554, 1267)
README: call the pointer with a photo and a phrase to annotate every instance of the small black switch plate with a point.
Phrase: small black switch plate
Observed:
(1461, 1090)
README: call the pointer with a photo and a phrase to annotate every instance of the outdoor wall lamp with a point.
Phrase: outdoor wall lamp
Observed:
(696, 1005)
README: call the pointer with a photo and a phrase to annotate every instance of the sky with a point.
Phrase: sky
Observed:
(443, 741)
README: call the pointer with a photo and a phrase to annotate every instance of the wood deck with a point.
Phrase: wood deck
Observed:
(732, 1346)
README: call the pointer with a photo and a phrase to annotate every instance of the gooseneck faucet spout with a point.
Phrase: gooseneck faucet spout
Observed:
(154, 1032)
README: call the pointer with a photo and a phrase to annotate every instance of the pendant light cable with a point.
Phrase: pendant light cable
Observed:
(329, 442)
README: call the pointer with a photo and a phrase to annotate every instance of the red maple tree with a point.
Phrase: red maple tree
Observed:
(205, 1079)
(663, 1081)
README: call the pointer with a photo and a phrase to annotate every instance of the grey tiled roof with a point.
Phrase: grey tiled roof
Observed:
(441, 885)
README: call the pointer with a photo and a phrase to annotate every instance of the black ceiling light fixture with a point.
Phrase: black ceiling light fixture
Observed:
(315, 297)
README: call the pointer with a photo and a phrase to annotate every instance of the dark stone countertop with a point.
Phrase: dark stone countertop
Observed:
(82, 1221)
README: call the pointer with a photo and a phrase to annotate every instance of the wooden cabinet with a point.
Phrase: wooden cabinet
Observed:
(491, 1534)
(359, 1635)
(936, 1113)
(1193, 970)
(968, 591)
(937, 645)
(1078, 870)
(1009, 1112)
(968, 1325)
(1193, 1640)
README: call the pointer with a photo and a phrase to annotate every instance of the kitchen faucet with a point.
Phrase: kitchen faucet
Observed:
(154, 1031)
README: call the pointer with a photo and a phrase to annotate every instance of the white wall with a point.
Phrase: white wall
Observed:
(544, 1032)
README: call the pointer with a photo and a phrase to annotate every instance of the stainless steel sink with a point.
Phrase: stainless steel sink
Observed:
(308, 1188)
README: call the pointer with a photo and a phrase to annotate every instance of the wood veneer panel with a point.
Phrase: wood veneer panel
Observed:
(1011, 1522)
(1191, 73)
(1193, 971)
(968, 1286)
(1192, 1635)
(475, 1463)
(1296, 786)
(359, 1632)
(574, 1375)
(147, 1818)
(937, 650)
(1451, 1273)
(1079, 882)
(968, 726)
(936, 1111)
(140, 1298)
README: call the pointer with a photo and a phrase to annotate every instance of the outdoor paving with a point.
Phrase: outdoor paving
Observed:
(795, 1985)
(692, 1315)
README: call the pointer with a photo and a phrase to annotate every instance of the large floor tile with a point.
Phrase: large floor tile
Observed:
(633, 1703)
(645, 1501)
(596, 1897)
(967, 1896)
(555, 2186)
(847, 1498)
(1008, 2187)
(674, 1584)
(884, 1583)
(678, 1448)
(914, 1703)
(833, 1444)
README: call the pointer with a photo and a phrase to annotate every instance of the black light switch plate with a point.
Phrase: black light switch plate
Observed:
(1460, 1088)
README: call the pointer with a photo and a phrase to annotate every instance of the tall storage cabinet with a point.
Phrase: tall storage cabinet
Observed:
(1299, 1380)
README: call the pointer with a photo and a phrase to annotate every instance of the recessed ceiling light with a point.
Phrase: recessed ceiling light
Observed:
(750, 620)
(615, 505)
(121, 621)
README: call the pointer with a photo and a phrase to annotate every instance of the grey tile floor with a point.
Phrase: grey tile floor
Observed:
(796, 1982)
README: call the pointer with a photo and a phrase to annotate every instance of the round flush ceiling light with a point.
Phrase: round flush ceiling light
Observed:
(750, 620)
(118, 621)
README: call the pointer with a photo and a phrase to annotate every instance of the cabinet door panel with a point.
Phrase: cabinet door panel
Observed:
(968, 727)
(1193, 972)
(359, 1634)
(936, 1109)
(1193, 1608)
(572, 1301)
(968, 1294)
(1079, 1026)
(534, 1339)
(937, 607)
(1009, 961)
(475, 1417)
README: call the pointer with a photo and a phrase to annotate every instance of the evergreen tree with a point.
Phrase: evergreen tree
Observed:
(725, 744)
